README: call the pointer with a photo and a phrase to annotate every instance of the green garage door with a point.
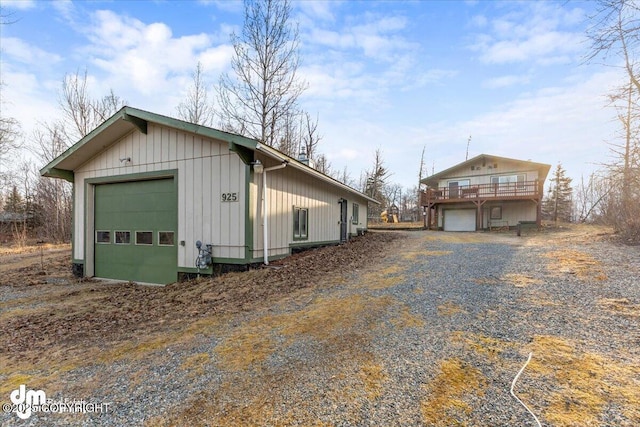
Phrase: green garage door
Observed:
(135, 231)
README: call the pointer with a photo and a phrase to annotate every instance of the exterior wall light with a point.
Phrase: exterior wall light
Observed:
(257, 167)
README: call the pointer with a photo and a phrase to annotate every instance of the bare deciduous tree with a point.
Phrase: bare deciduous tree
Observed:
(323, 165)
(197, 107)
(374, 187)
(591, 198)
(616, 32)
(309, 136)
(80, 112)
(10, 137)
(264, 88)
(289, 137)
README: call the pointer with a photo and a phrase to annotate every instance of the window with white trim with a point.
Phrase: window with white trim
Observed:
(300, 223)
(103, 236)
(144, 237)
(517, 180)
(355, 217)
(122, 237)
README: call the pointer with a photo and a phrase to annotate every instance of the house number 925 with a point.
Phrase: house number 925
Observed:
(229, 197)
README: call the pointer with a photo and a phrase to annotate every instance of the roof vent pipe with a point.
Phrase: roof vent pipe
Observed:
(302, 157)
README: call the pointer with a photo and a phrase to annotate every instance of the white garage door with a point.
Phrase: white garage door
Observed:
(460, 220)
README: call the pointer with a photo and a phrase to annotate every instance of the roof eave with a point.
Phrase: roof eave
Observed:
(432, 180)
(57, 173)
(241, 145)
(271, 152)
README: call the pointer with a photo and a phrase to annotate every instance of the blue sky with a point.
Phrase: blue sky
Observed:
(397, 76)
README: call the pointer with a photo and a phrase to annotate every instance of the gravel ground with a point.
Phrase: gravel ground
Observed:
(433, 334)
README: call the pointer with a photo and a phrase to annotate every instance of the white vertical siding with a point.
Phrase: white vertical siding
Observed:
(206, 168)
(288, 188)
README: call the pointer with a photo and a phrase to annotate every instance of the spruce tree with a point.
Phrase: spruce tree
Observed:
(558, 204)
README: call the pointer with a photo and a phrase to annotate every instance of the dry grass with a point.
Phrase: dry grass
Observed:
(62, 359)
(339, 328)
(324, 320)
(406, 319)
(621, 306)
(448, 237)
(373, 377)
(30, 249)
(514, 279)
(569, 234)
(419, 225)
(585, 383)
(445, 403)
(580, 264)
(383, 278)
(486, 280)
(520, 280)
(450, 308)
(196, 363)
(489, 347)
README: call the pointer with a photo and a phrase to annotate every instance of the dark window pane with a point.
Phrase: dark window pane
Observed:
(123, 237)
(103, 236)
(303, 223)
(496, 212)
(296, 222)
(165, 238)
(144, 238)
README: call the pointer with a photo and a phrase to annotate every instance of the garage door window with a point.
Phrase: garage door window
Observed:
(165, 238)
(123, 237)
(144, 237)
(103, 236)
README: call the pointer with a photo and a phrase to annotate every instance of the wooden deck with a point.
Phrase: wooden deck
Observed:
(465, 193)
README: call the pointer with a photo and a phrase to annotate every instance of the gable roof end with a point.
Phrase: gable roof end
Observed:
(128, 119)
(432, 181)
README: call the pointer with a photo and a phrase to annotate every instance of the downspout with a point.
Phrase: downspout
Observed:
(265, 210)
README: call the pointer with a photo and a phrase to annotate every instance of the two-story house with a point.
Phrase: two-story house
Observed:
(484, 192)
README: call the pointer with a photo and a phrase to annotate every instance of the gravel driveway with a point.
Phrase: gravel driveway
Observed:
(433, 334)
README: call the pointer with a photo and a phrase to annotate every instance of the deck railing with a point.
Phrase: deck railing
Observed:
(510, 190)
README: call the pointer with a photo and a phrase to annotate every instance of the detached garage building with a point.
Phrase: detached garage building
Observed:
(148, 187)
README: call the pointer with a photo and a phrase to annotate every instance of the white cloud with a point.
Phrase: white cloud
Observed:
(537, 47)
(353, 62)
(65, 8)
(506, 81)
(147, 57)
(378, 38)
(567, 123)
(25, 53)
(224, 5)
(542, 33)
(19, 4)
(318, 9)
